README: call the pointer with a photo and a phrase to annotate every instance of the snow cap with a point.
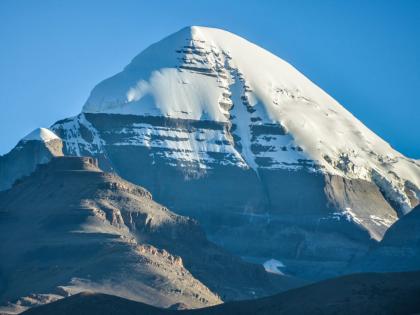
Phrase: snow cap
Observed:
(41, 134)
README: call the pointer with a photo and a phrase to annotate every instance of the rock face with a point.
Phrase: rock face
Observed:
(225, 132)
(36, 148)
(69, 227)
(399, 250)
(249, 213)
(369, 293)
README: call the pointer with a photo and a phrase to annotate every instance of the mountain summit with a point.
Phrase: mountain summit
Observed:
(202, 73)
(40, 134)
(223, 131)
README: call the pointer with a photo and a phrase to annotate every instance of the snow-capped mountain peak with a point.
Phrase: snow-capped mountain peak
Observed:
(40, 134)
(201, 73)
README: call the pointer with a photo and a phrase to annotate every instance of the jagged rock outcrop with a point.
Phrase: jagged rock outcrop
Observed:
(69, 227)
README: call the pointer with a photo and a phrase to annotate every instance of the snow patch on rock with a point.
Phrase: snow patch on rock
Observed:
(72, 131)
(274, 266)
(381, 221)
(348, 215)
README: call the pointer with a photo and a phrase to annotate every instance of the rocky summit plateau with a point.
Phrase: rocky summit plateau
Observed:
(270, 182)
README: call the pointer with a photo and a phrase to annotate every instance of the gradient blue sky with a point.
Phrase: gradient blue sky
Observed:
(366, 54)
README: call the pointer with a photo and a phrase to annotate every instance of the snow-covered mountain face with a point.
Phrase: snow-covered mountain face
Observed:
(276, 117)
(222, 130)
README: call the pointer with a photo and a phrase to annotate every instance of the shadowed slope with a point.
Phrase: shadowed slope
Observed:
(69, 227)
(398, 251)
(369, 293)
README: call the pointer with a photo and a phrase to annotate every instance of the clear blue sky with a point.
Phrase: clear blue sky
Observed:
(366, 54)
